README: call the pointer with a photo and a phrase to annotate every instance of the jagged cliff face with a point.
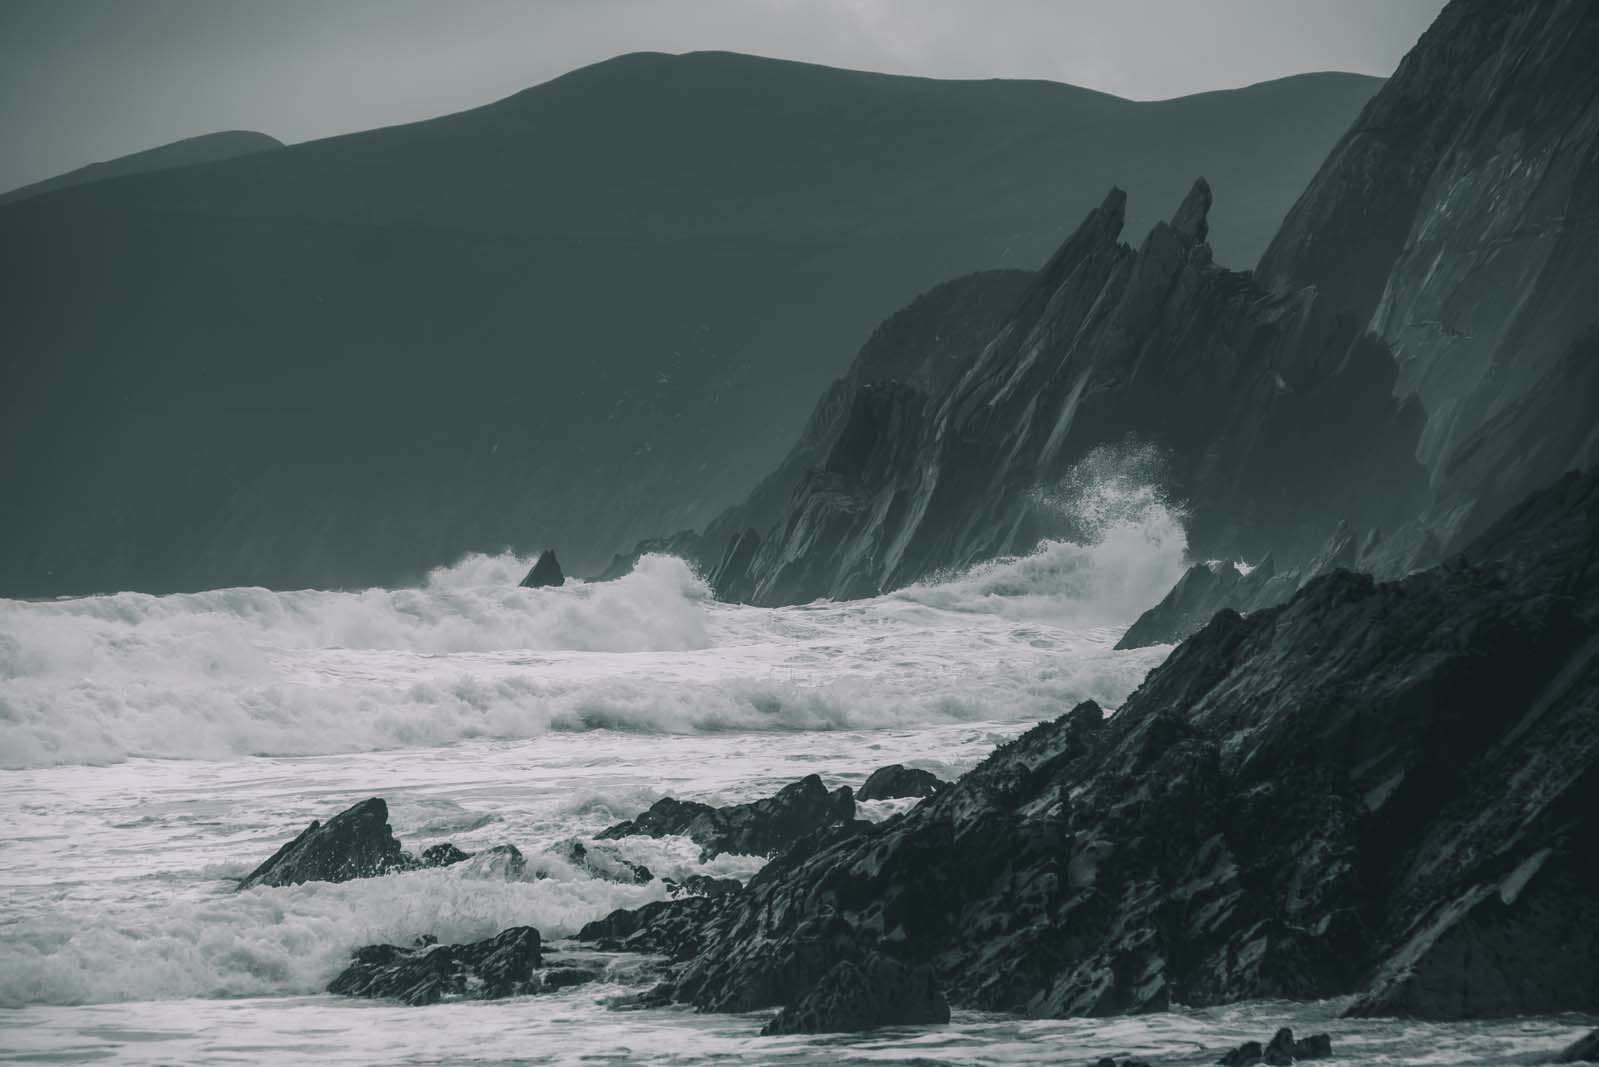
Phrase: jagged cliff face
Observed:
(1248, 395)
(1381, 789)
(1415, 350)
(1457, 218)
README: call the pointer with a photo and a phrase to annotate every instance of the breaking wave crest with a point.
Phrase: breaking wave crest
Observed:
(468, 654)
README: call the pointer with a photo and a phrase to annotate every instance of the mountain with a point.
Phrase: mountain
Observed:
(598, 309)
(202, 149)
(1380, 790)
(1413, 354)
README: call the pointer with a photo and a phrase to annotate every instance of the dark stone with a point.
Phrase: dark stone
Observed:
(758, 828)
(356, 843)
(602, 863)
(665, 817)
(1378, 789)
(556, 978)
(443, 855)
(876, 991)
(1314, 1047)
(1245, 1055)
(703, 885)
(545, 572)
(501, 861)
(664, 927)
(1583, 1050)
(502, 966)
(895, 781)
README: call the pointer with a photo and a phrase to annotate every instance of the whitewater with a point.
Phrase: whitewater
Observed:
(156, 748)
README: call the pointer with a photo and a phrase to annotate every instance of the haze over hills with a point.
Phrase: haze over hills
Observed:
(593, 311)
(206, 148)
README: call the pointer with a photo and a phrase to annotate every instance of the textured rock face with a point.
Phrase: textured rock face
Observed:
(545, 572)
(1457, 216)
(1281, 1049)
(502, 966)
(1382, 788)
(874, 992)
(1249, 395)
(758, 828)
(895, 781)
(1443, 256)
(356, 843)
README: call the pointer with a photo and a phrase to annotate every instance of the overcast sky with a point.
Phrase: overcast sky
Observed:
(84, 80)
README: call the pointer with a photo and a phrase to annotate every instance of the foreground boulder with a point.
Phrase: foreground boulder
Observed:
(758, 828)
(428, 972)
(356, 843)
(545, 572)
(1379, 789)
(896, 781)
(876, 991)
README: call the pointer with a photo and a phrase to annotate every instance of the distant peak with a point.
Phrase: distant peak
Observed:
(1191, 218)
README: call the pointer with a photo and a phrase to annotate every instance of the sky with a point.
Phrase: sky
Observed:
(87, 80)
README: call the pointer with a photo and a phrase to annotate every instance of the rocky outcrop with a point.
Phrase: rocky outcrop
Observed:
(545, 572)
(665, 927)
(1275, 417)
(502, 966)
(1583, 1050)
(444, 855)
(602, 863)
(758, 828)
(1282, 1049)
(876, 991)
(356, 843)
(896, 781)
(1382, 789)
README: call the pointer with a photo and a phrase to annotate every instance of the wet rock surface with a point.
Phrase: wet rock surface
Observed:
(1376, 788)
(502, 966)
(602, 863)
(758, 828)
(1583, 1050)
(545, 572)
(896, 781)
(861, 995)
(1281, 1049)
(356, 843)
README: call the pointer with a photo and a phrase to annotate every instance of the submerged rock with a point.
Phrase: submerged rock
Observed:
(1283, 1049)
(356, 843)
(602, 863)
(445, 855)
(758, 828)
(502, 966)
(896, 781)
(545, 572)
(500, 863)
(702, 885)
(875, 991)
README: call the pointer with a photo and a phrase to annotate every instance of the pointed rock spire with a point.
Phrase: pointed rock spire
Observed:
(1190, 220)
(546, 572)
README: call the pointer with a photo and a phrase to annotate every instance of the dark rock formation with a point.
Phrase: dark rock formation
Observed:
(702, 885)
(758, 828)
(1281, 1049)
(1583, 1050)
(356, 843)
(1376, 788)
(444, 855)
(602, 863)
(502, 966)
(666, 927)
(504, 862)
(896, 780)
(546, 572)
(874, 992)
(1106, 1061)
